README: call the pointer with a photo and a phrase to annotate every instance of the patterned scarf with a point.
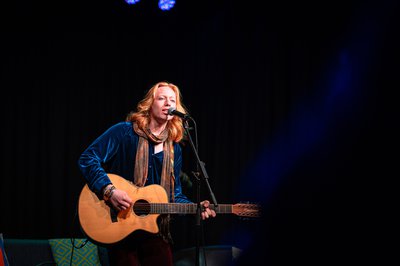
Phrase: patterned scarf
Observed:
(142, 159)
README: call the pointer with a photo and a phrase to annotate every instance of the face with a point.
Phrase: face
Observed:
(164, 99)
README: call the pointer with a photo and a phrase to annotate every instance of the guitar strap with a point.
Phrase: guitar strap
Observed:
(163, 222)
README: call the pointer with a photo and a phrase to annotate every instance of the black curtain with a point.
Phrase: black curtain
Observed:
(260, 82)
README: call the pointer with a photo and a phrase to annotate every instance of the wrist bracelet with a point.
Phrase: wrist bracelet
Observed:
(108, 193)
(105, 188)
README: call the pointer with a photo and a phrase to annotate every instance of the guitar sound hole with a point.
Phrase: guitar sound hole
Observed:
(141, 208)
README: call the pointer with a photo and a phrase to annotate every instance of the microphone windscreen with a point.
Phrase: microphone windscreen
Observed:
(170, 110)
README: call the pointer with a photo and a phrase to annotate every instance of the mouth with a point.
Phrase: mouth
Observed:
(165, 110)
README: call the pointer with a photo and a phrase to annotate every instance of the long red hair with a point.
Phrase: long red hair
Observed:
(142, 117)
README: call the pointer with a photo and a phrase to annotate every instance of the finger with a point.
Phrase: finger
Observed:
(128, 200)
(120, 205)
(125, 205)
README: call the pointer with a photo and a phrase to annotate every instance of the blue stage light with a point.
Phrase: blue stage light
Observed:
(131, 2)
(166, 4)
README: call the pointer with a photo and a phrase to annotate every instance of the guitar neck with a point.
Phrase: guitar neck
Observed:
(184, 208)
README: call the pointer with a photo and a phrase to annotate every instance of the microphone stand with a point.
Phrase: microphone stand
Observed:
(204, 174)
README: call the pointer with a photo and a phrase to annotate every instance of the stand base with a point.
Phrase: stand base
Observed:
(215, 256)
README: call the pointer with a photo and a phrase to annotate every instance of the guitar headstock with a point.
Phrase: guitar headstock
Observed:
(249, 210)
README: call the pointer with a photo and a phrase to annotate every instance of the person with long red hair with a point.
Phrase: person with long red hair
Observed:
(144, 149)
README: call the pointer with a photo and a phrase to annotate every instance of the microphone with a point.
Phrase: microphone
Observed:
(173, 111)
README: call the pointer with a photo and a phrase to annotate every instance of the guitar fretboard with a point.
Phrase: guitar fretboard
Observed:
(176, 208)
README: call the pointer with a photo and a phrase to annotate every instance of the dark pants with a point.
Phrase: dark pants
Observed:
(141, 249)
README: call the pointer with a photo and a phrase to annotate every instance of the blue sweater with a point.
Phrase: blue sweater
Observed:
(115, 151)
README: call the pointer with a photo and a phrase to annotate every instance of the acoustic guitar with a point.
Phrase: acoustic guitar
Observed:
(103, 224)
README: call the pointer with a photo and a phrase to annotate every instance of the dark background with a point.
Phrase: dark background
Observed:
(294, 104)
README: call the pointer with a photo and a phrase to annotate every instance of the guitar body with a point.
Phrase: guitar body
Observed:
(95, 215)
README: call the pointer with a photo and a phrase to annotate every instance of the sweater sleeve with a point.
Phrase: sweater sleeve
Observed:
(99, 152)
